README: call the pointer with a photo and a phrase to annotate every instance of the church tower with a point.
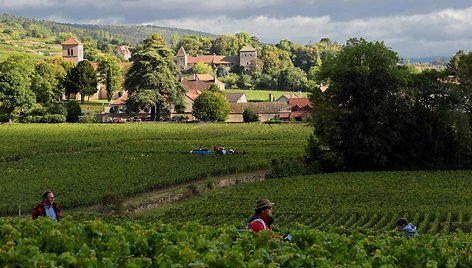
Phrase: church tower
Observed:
(73, 50)
(182, 59)
(246, 55)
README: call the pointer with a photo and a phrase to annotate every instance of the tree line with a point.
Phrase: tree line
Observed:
(31, 87)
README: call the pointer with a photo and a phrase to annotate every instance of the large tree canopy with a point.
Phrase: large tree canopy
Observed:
(82, 79)
(109, 74)
(359, 120)
(154, 70)
(211, 106)
(15, 96)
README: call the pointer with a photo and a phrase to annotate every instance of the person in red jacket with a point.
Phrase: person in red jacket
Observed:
(262, 219)
(47, 207)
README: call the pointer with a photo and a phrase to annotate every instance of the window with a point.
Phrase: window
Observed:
(70, 52)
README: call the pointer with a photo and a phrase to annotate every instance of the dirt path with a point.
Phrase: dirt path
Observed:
(184, 191)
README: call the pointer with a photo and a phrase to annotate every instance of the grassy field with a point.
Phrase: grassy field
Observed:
(263, 95)
(439, 202)
(80, 162)
(38, 48)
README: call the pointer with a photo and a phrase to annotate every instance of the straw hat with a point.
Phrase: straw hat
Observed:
(263, 203)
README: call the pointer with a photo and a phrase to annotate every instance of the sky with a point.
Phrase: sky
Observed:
(412, 28)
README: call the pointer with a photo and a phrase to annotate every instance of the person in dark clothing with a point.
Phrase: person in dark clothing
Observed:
(407, 228)
(47, 207)
(262, 219)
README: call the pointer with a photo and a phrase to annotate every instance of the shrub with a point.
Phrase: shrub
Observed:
(211, 184)
(3, 118)
(48, 118)
(88, 119)
(287, 168)
(57, 108)
(73, 111)
(193, 189)
(274, 120)
(38, 110)
(54, 118)
(250, 116)
(113, 202)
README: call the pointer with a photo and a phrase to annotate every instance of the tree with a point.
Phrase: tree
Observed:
(222, 71)
(211, 106)
(82, 79)
(214, 88)
(243, 39)
(230, 80)
(359, 120)
(227, 45)
(293, 79)
(22, 63)
(44, 83)
(202, 68)
(175, 41)
(91, 51)
(245, 82)
(275, 60)
(154, 70)
(194, 44)
(15, 96)
(109, 74)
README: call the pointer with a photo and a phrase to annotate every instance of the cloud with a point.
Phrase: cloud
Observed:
(447, 29)
(183, 5)
(417, 27)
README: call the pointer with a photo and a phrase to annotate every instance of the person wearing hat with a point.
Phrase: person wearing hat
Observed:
(262, 219)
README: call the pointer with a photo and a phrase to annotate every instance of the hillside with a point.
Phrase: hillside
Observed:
(39, 37)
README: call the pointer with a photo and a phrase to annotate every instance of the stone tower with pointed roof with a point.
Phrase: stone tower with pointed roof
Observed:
(182, 59)
(246, 55)
(73, 50)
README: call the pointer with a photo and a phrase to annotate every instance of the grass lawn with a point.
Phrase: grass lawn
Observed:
(263, 95)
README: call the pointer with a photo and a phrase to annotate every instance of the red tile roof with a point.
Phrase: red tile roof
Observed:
(300, 103)
(204, 77)
(121, 100)
(260, 107)
(71, 41)
(181, 52)
(213, 59)
(196, 85)
(193, 94)
(299, 114)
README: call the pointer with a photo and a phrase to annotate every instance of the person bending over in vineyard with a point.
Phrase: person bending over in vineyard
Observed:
(262, 219)
(407, 228)
(47, 207)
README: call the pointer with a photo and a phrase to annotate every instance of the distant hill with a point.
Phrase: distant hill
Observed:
(130, 34)
(433, 60)
(43, 38)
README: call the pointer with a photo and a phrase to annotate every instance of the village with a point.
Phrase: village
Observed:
(290, 107)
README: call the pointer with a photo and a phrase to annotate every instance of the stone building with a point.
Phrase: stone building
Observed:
(186, 62)
(73, 50)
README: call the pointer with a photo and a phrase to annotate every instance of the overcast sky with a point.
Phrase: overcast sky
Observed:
(412, 28)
